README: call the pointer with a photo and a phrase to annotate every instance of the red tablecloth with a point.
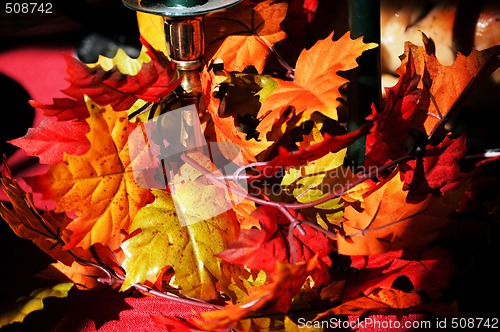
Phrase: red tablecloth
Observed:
(41, 72)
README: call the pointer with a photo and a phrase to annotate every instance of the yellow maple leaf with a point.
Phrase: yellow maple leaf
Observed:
(189, 249)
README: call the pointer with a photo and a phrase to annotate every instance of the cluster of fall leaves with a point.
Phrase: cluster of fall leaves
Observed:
(305, 247)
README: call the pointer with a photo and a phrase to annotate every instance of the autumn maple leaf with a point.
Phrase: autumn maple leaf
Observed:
(118, 82)
(316, 82)
(388, 222)
(98, 185)
(390, 131)
(51, 139)
(262, 248)
(275, 296)
(29, 223)
(189, 249)
(444, 88)
(315, 88)
(395, 282)
(154, 80)
(412, 122)
(246, 35)
(426, 271)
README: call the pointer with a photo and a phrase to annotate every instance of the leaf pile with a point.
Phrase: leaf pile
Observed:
(290, 228)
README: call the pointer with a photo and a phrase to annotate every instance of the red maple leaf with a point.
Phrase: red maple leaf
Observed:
(437, 172)
(64, 108)
(155, 80)
(51, 139)
(313, 152)
(261, 249)
(390, 130)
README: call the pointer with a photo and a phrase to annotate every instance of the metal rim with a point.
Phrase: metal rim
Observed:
(157, 8)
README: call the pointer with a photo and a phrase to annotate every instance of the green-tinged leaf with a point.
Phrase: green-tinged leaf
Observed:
(189, 249)
(258, 85)
(312, 181)
(34, 302)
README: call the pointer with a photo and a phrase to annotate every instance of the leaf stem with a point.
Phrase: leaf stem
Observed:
(335, 194)
(290, 71)
(113, 278)
(285, 208)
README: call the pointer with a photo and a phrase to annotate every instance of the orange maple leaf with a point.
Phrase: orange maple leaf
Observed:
(316, 83)
(314, 88)
(445, 87)
(389, 222)
(279, 293)
(241, 36)
(98, 186)
(228, 136)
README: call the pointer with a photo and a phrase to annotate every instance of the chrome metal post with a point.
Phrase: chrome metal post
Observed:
(184, 35)
(186, 46)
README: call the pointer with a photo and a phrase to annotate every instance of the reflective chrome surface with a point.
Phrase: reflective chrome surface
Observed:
(183, 21)
(178, 8)
(185, 38)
